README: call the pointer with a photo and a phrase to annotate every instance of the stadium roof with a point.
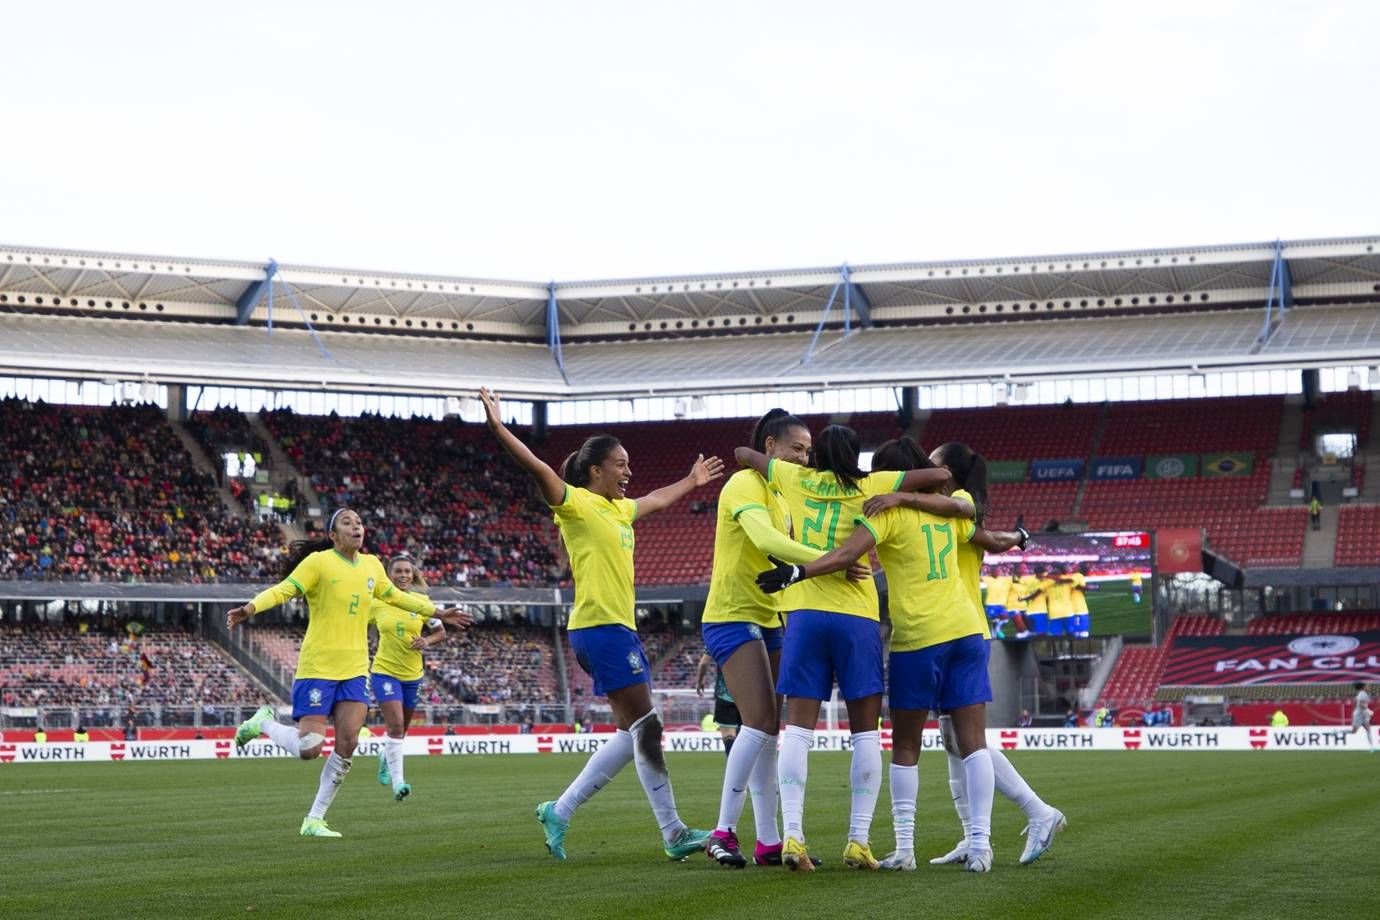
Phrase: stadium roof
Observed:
(197, 321)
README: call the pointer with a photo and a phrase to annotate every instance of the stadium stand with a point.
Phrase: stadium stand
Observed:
(1170, 426)
(1017, 433)
(112, 495)
(1312, 623)
(1348, 410)
(108, 673)
(1138, 670)
(1358, 535)
(440, 490)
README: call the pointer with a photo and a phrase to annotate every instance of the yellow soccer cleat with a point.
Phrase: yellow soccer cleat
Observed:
(859, 856)
(796, 857)
(316, 827)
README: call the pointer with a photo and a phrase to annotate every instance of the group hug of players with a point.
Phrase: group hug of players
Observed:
(792, 610)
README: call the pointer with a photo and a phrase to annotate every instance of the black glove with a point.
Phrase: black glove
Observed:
(1025, 536)
(782, 576)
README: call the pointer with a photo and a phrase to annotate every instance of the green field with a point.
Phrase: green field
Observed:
(1114, 613)
(1200, 835)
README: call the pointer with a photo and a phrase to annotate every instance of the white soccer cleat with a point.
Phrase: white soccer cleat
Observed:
(958, 854)
(1039, 835)
(900, 861)
(979, 861)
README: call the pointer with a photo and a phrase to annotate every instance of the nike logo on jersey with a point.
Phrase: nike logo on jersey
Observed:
(335, 581)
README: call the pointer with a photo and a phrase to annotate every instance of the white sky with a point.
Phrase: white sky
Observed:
(571, 140)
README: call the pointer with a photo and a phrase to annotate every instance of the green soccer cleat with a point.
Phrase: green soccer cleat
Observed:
(401, 791)
(253, 726)
(316, 827)
(553, 827)
(384, 778)
(687, 843)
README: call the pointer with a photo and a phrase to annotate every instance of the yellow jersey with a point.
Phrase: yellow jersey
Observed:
(598, 537)
(1060, 600)
(397, 628)
(1080, 592)
(1136, 579)
(926, 595)
(1040, 602)
(733, 592)
(827, 514)
(340, 595)
(1019, 589)
(997, 588)
(970, 568)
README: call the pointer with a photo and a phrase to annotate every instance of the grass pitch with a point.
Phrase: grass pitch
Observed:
(1114, 611)
(1200, 835)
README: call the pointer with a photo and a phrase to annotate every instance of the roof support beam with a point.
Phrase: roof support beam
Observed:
(252, 294)
(850, 291)
(1281, 292)
(856, 299)
(553, 329)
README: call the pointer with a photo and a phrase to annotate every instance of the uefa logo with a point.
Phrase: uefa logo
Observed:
(1169, 467)
(1323, 645)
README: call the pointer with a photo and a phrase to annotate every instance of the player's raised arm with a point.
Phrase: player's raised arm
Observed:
(999, 541)
(752, 460)
(701, 473)
(551, 485)
(301, 580)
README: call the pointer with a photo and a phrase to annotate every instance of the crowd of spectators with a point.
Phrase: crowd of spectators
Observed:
(109, 674)
(111, 494)
(440, 490)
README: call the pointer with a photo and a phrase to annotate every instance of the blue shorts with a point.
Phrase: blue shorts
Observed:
(995, 610)
(723, 639)
(942, 677)
(1082, 622)
(822, 646)
(312, 696)
(1038, 622)
(612, 655)
(1062, 626)
(388, 687)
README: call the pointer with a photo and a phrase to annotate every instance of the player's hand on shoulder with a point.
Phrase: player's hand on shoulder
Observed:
(860, 570)
(879, 503)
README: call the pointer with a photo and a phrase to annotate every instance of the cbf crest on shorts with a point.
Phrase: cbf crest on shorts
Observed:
(387, 686)
(755, 631)
(635, 662)
(315, 696)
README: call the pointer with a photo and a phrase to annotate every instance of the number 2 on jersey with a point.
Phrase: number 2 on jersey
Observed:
(939, 567)
(816, 523)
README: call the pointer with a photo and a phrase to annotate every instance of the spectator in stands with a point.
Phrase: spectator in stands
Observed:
(1279, 719)
(1102, 717)
(1315, 512)
(1071, 719)
(1024, 720)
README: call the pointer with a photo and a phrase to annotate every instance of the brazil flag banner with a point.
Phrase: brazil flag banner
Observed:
(1228, 464)
(1171, 466)
(1006, 470)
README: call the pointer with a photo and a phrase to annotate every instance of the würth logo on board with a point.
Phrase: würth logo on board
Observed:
(1009, 740)
(1131, 738)
(544, 744)
(434, 744)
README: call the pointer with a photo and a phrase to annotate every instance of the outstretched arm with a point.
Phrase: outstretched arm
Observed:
(551, 485)
(752, 460)
(942, 505)
(923, 479)
(701, 474)
(999, 541)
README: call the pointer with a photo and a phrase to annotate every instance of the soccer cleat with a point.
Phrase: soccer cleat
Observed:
(859, 856)
(901, 861)
(979, 861)
(687, 843)
(722, 847)
(253, 726)
(795, 857)
(553, 827)
(385, 778)
(958, 854)
(401, 791)
(1039, 835)
(765, 855)
(316, 827)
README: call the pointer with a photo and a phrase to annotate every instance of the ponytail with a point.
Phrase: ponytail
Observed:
(301, 549)
(970, 472)
(773, 425)
(836, 451)
(595, 450)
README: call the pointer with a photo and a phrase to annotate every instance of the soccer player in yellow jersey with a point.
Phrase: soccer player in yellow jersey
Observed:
(834, 631)
(1137, 585)
(340, 583)
(1082, 618)
(595, 518)
(1035, 592)
(1061, 612)
(996, 589)
(396, 674)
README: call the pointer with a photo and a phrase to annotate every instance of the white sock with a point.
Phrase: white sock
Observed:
(285, 736)
(332, 775)
(905, 788)
(958, 788)
(1012, 785)
(603, 765)
(865, 778)
(978, 767)
(651, 771)
(791, 772)
(393, 753)
(762, 785)
(742, 760)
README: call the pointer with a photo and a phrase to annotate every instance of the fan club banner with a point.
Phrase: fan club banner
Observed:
(1207, 661)
(1234, 738)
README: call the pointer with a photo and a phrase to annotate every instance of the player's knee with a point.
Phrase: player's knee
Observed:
(345, 745)
(903, 755)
